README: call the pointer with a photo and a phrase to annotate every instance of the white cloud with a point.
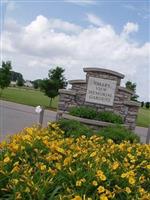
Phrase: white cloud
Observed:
(130, 27)
(49, 25)
(42, 44)
(12, 26)
(94, 19)
(58, 24)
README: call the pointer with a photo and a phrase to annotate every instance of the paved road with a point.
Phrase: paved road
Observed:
(14, 117)
(142, 132)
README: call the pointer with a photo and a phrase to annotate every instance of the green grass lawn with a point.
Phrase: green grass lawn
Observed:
(28, 97)
(143, 117)
(33, 97)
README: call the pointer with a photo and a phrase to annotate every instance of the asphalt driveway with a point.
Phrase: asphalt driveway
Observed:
(14, 117)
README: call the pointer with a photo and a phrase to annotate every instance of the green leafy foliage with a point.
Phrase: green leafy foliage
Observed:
(5, 74)
(36, 83)
(147, 105)
(84, 112)
(109, 117)
(51, 85)
(50, 88)
(132, 86)
(57, 75)
(91, 113)
(142, 104)
(16, 76)
(74, 128)
(20, 82)
(118, 134)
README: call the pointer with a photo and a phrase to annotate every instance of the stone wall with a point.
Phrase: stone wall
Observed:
(122, 104)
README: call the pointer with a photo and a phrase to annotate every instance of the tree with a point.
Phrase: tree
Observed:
(57, 76)
(5, 75)
(36, 83)
(55, 82)
(142, 104)
(15, 76)
(147, 105)
(132, 86)
(50, 89)
(20, 82)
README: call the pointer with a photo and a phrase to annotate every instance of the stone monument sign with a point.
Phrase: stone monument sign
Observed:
(101, 91)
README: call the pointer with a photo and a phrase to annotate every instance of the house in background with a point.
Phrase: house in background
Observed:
(28, 83)
(13, 83)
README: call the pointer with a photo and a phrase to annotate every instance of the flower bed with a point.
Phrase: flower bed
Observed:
(43, 164)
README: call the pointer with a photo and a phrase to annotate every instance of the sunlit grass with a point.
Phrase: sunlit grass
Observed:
(143, 117)
(28, 97)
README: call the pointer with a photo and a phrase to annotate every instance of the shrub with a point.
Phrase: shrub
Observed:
(109, 117)
(147, 105)
(84, 112)
(74, 128)
(118, 134)
(91, 113)
(41, 164)
(142, 104)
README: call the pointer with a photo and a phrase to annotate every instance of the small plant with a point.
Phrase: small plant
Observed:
(118, 134)
(109, 117)
(74, 128)
(84, 112)
(91, 113)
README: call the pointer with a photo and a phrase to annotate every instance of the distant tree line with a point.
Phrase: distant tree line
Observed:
(18, 78)
(132, 86)
(145, 104)
(50, 86)
(37, 83)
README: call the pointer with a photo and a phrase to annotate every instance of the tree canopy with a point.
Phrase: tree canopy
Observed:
(57, 76)
(56, 81)
(20, 82)
(132, 86)
(147, 105)
(5, 74)
(37, 83)
(16, 76)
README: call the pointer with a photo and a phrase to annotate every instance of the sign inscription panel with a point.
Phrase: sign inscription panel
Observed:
(100, 91)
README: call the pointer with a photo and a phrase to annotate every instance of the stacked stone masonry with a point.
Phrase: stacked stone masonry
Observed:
(122, 104)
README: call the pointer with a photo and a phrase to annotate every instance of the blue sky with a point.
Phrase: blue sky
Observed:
(37, 35)
(112, 12)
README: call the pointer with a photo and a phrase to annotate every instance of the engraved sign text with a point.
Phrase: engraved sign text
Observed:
(101, 91)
